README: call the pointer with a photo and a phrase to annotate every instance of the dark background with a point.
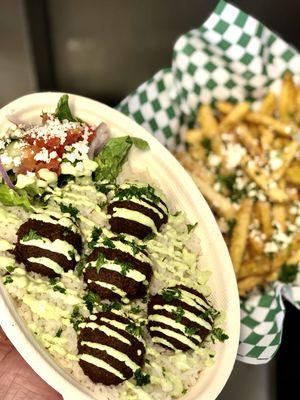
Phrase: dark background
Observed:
(104, 49)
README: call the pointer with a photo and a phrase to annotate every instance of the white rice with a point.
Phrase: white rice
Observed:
(175, 258)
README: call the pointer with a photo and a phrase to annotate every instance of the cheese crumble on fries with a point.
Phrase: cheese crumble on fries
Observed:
(247, 165)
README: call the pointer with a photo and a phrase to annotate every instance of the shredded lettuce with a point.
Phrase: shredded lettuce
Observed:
(10, 197)
(112, 157)
(63, 110)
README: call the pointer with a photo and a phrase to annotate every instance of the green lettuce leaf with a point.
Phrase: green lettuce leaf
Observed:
(63, 110)
(9, 197)
(113, 155)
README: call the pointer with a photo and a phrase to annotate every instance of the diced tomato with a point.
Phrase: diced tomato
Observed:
(74, 135)
(52, 165)
(51, 144)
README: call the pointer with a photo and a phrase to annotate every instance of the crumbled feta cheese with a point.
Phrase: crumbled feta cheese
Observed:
(271, 247)
(42, 155)
(213, 160)
(234, 153)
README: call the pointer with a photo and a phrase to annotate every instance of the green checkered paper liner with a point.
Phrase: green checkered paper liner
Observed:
(234, 57)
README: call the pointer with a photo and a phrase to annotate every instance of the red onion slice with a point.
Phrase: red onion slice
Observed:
(6, 178)
(15, 120)
(100, 139)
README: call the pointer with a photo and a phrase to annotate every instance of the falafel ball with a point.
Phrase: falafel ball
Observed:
(118, 269)
(48, 244)
(137, 210)
(109, 353)
(179, 318)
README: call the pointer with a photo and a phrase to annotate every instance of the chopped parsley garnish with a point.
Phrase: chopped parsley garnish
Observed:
(63, 179)
(103, 187)
(190, 331)
(149, 237)
(80, 266)
(125, 268)
(54, 283)
(59, 332)
(190, 227)
(102, 205)
(60, 289)
(231, 224)
(8, 279)
(178, 314)
(90, 300)
(9, 268)
(111, 306)
(138, 192)
(96, 233)
(108, 243)
(218, 334)
(171, 294)
(210, 313)
(71, 253)
(140, 378)
(134, 329)
(136, 248)
(184, 391)
(206, 144)
(145, 299)
(73, 211)
(100, 261)
(288, 273)
(176, 214)
(76, 318)
(135, 310)
(31, 235)
(229, 182)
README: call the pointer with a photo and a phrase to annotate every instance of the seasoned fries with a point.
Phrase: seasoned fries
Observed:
(240, 234)
(247, 165)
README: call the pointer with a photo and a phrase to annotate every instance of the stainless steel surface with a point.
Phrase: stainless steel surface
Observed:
(109, 47)
(17, 75)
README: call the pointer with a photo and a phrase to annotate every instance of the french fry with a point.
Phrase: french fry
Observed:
(279, 215)
(266, 138)
(256, 246)
(247, 284)
(194, 136)
(247, 139)
(197, 152)
(294, 258)
(276, 125)
(216, 200)
(287, 157)
(268, 105)
(271, 189)
(195, 166)
(225, 107)
(272, 276)
(297, 105)
(292, 174)
(210, 127)
(240, 233)
(235, 116)
(279, 259)
(287, 98)
(263, 211)
(259, 266)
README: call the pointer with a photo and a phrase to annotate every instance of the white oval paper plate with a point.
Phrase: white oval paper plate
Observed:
(178, 186)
